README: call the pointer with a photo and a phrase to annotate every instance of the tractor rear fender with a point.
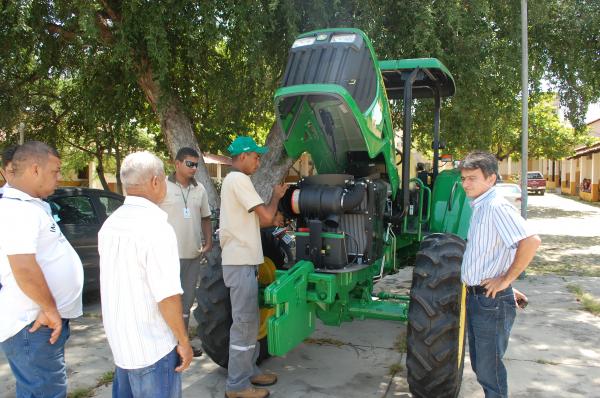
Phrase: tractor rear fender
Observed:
(450, 208)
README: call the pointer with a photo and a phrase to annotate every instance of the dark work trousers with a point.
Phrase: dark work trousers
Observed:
(188, 272)
(243, 345)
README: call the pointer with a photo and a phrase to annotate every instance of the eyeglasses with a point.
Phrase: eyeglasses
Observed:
(191, 165)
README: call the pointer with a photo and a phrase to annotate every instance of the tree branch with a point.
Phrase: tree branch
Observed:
(63, 33)
(106, 34)
(110, 11)
(79, 147)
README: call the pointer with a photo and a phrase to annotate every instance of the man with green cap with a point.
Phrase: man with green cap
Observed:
(243, 213)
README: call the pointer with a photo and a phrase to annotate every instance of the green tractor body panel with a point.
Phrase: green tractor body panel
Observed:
(450, 209)
(433, 73)
(300, 295)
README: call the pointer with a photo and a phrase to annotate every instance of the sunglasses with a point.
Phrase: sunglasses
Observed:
(191, 165)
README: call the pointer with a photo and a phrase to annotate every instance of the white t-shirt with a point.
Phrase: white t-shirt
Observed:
(139, 267)
(186, 223)
(27, 228)
(3, 187)
(239, 232)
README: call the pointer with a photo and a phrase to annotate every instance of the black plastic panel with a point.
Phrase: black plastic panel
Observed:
(348, 64)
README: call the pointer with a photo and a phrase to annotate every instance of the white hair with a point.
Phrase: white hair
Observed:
(139, 167)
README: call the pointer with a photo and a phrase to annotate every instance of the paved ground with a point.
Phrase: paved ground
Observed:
(554, 350)
(570, 236)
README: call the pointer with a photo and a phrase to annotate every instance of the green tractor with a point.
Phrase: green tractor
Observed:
(358, 219)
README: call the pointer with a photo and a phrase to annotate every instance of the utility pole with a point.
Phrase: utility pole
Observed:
(21, 133)
(524, 108)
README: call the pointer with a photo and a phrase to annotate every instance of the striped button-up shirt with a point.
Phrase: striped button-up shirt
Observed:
(139, 267)
(494, 234)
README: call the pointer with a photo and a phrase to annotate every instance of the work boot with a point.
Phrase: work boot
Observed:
(264, 379)
(250, 392)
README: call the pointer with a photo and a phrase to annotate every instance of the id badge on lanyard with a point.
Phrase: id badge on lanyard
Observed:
(186, 213)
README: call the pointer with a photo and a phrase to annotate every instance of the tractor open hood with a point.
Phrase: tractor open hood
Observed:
(332, 103)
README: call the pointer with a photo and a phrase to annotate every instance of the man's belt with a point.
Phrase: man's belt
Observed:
(481, 290)
(477, 289)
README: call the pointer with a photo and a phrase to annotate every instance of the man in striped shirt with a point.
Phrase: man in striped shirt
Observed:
(500, 245)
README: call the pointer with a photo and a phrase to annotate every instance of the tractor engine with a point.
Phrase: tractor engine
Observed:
(339, 220)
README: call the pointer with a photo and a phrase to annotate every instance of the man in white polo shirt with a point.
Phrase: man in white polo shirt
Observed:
(186, 204)
(243, 213)
(140, 287)
(43, 279)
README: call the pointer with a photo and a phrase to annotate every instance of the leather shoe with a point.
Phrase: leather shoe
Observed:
(264, 379)
(250, 392)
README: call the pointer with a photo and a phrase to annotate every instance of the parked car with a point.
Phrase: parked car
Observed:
(511, 192)
(536, 183)
(80, 212)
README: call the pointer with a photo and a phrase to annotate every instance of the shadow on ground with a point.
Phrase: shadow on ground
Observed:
(549, 212)
(567, 255)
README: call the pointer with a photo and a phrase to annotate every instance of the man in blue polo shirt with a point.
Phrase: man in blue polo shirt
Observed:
(500, 245)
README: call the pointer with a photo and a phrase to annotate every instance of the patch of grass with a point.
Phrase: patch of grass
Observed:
(400, 343)
(564, 267)
(106, 379)
(88, 392)
(81, 393)
(545, 362)
(395, 368)
(92, 315)
(326, 341)
(575, 289)
(588, 302)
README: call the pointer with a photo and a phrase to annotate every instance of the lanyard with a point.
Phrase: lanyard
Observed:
(185, 198)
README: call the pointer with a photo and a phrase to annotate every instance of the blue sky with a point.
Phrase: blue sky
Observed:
(593, 113)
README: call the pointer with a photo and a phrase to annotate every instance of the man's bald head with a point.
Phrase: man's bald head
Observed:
(32, 152)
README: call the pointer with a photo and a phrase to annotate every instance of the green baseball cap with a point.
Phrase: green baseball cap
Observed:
(245, 144)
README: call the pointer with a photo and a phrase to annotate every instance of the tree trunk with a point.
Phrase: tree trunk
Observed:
(118, 169)
(100, 171)
(176, 126)
(274, 165)
(177, 129)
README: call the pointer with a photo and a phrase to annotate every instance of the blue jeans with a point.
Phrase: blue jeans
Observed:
(159, 380)
(38, 366)
(489, 322)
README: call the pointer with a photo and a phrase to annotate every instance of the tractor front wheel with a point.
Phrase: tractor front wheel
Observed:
(436, 319)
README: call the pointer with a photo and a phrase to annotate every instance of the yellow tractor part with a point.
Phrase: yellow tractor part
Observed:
(266, 276)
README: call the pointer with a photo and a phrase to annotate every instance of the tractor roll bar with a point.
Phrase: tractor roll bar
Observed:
(406, 138)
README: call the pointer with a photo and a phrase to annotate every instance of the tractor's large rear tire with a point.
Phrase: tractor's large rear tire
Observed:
(436, 319)
(213, 312)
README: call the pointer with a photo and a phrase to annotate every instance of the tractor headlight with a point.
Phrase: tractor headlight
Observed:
(305, 41)
(343, 38)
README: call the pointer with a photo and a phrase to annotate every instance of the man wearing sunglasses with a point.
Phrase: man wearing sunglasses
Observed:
(186, 204)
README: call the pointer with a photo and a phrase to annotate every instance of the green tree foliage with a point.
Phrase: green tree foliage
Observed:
(205, 71)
